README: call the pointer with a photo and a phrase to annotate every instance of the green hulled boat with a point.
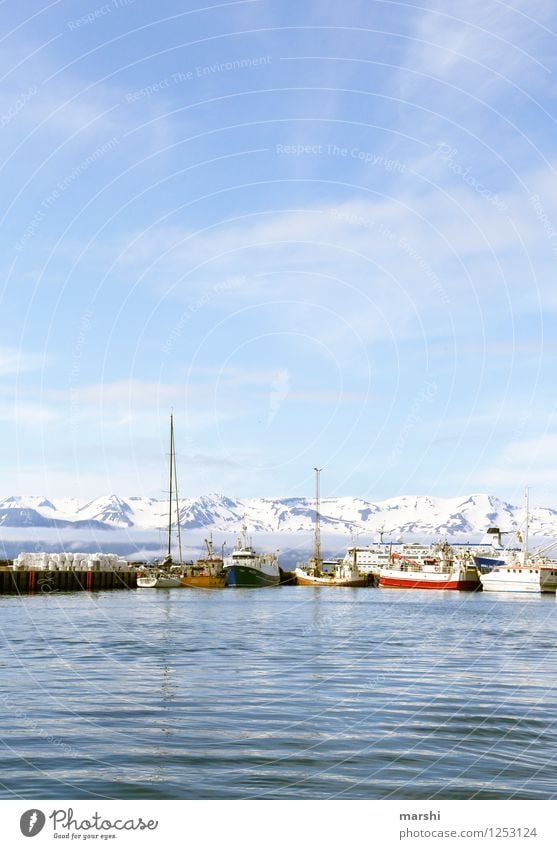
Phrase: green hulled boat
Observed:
(246, 568)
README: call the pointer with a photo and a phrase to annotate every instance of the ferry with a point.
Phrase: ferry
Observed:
(372, 558)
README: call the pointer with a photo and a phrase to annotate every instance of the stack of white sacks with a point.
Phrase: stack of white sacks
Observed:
(70, 560)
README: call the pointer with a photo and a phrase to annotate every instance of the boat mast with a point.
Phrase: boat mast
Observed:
(209, 544)
(177, 500)
(170, 488)
(525, 547)
(317, 546)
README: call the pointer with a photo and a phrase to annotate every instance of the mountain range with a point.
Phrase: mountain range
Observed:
(459, 517)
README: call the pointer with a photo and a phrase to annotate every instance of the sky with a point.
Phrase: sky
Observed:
(319, 233)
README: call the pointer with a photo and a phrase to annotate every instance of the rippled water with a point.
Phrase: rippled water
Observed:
(286, 692)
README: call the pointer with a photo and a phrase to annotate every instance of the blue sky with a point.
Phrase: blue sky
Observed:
(321, 233)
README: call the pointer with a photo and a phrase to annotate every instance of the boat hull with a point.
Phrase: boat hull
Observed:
(204, 582)
(248, 576)
(147, 583)
(517, 578)
(510, 586)
(440, 583)
(305, 580)
(483, 562)
(158, 583)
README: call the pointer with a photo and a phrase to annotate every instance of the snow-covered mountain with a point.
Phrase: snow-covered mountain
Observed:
(462, 517)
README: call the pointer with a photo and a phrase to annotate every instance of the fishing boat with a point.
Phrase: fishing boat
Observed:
(524, 573)
(246, 568)
(167, 574)
(436, 569)
(332, 573)
(207, 572)
(518, 577)
(329, 574)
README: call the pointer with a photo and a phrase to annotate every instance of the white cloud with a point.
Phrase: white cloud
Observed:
(381, 269)
(478, 43)
(13, 361)
(28, 414)
(524, 461)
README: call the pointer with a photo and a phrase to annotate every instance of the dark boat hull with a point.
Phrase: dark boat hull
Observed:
(246, 576)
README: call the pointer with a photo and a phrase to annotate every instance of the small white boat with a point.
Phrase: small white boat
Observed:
(167, 574)
(158, 579)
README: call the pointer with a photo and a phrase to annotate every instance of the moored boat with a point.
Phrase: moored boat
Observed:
(519, 577)
(158, 579)
(317, 572)
(525, 573)
(167, 574)
(245, 567)
(206, 573)
(437, 569)
(329, 574)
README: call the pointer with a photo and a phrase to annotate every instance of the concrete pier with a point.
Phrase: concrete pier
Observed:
(68, 580)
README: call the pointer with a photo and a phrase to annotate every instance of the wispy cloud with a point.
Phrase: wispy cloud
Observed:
(525, 461)
(479, 43)
(14, 361)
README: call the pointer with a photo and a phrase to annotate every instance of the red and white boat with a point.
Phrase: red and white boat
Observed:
(436, 569)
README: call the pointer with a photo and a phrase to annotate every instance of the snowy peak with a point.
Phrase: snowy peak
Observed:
(109, 510)
(417, 515)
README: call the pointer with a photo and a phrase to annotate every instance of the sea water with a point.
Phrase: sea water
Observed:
(278, 693)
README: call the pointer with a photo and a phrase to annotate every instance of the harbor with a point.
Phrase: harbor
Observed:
(412, 566)
(440, 566)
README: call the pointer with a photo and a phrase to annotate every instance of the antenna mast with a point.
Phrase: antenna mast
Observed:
(527, 499)
(170, 487)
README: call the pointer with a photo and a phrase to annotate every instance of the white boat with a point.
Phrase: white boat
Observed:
(329, 573)
(158, 579)
(524, 573)
(247, 568)
(167, 574)
(529, 577)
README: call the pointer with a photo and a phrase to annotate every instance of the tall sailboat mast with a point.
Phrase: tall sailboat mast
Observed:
(177, 501)
(317, 544)
(171, 473)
